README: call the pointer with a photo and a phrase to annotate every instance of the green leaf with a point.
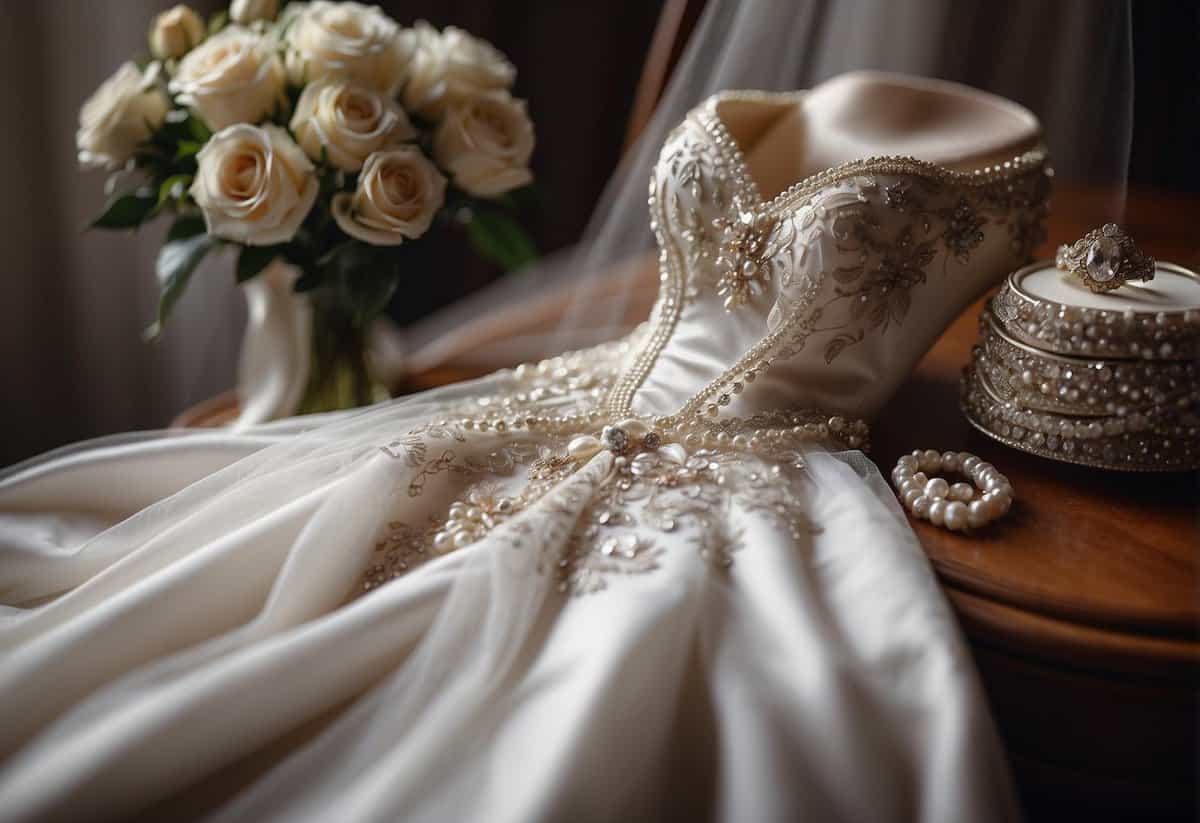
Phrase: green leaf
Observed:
(367, 290)
(188, 148)
(522, 199)
(173, 188)
(176, 261)
(217, 22)
(185, 227)
(308, 280)
(127, 211)
(198, 129)
(253, 259)
(498, 238)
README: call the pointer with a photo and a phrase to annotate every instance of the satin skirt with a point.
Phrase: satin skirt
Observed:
(186, 635)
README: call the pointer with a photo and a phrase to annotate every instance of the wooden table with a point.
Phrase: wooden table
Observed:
(1082, 606)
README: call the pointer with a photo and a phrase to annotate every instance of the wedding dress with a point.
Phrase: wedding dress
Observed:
(650, 579)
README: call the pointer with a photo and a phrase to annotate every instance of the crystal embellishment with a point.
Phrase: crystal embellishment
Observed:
(740, 263)
(615, 439)
(1103, 259)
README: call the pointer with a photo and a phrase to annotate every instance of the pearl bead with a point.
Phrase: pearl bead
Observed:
(920, 506)
(956, 516)
(937, 512)
(978, 513)
(961, 491)
(584, 447)
(937, 488)
(634, 427)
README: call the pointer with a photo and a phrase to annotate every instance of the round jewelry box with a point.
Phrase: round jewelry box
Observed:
(1107, 379)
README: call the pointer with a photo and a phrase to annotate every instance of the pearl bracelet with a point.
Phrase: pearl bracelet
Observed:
(956, 507)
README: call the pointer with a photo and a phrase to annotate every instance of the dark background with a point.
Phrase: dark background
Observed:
(72, 364)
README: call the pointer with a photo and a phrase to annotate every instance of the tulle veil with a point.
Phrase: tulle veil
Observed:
(1071, 63)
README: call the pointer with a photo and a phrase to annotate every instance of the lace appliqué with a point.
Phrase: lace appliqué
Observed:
(652, 489)
(667, 491)
(889, 260)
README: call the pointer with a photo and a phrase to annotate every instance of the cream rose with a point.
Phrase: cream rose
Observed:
(176, 32)
(347, 121)
(347, 41)
(451, 66)
(120, 115)
(246, 12)
(485, 142)
(399, 192)
(254, 185)
(233, 77)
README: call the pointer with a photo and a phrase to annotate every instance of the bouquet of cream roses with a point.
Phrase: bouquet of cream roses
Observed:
(322, 134)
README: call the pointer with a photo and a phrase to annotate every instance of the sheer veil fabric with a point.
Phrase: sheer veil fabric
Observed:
(795, 44)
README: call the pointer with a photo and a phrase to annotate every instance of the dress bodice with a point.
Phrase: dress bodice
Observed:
(826, 294)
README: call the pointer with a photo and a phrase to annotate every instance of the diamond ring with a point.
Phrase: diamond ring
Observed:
(1105, 259)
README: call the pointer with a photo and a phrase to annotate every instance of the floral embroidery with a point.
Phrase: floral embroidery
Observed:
(652, 491)
(962, 230)
(843, 253)
(886, 269)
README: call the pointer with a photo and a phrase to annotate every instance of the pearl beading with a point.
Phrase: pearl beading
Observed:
(1035, 379)
(764, 434)
(1107, 389)
(1161, 441)
(958, 506)
(1089, 332)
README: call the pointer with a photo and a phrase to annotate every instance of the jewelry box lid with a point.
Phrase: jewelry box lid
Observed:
(1042, 306)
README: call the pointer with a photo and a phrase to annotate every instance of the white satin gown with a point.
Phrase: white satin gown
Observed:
(652, 580)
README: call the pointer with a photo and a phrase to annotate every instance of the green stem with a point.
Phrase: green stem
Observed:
(338, 375)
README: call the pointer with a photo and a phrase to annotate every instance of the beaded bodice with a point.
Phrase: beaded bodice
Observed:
(825, 294)
(778, 322)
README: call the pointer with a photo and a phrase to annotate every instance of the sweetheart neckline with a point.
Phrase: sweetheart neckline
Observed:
(665, 315)
(717, 131)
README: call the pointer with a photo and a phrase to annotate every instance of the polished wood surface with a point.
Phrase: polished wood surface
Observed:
(1082, 606)
(1103, 549)
(1111, 552)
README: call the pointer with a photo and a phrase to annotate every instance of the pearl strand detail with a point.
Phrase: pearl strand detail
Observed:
(952, 506)
(789, 431)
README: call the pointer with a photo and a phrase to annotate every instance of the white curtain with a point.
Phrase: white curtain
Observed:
(73, 304)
